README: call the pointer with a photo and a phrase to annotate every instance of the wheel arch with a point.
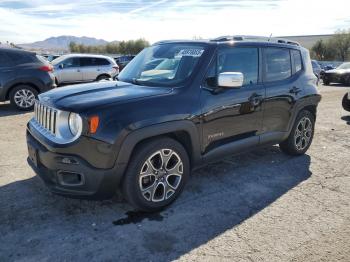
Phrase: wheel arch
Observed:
(7, 96)
(103, 74)
(184, 132)
(309, 103)
(311, 108)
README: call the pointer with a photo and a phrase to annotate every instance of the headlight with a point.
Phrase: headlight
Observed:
(75, 124)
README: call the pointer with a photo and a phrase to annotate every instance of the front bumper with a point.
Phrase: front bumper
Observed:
(69, 174)
(335, 78)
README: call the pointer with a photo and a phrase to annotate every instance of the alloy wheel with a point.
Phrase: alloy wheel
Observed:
(160, 175)
(24, 98)
(303, 133)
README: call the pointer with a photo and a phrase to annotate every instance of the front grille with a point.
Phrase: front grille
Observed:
(45, 116)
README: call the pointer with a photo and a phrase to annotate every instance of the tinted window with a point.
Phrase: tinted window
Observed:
(71, 62)
(244, 60)
(101, 61)
(20, 58)
(296, 56)
(93, 61)
(86, 61)
(278, 66)
(211, 78)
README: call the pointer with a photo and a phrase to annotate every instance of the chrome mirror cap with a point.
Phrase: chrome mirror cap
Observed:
(230, 79)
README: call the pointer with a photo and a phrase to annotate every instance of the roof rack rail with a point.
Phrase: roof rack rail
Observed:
(254, 38)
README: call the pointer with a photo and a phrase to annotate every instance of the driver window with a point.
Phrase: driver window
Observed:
(71, 62)
(244, 60)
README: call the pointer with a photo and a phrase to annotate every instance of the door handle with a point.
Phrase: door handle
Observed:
(294, 90)
(255, 99)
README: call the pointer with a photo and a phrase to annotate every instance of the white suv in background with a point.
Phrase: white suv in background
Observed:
(77, 68)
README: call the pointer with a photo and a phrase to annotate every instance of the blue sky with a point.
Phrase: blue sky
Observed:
(33, 20)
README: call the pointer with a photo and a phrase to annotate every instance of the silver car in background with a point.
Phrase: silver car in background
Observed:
(78, 68)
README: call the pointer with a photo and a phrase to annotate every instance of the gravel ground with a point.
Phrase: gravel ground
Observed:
(259, 206)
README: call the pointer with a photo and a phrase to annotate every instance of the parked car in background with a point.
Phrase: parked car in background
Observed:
(78, 68)
(122, 61)
(147, 131)
(325, 68)
(346, 102)
(23, 75)
(341, 74)
(316, 68)
(51, 57)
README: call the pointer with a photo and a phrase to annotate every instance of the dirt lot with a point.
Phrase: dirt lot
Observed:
(260, 206)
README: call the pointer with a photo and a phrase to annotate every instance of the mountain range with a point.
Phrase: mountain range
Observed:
(61, 43)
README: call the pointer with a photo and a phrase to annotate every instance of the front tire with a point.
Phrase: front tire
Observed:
(156, 174)
(346, 103)
(23, 97)
(300, 138)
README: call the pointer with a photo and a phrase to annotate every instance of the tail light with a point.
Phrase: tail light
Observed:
(46, 68)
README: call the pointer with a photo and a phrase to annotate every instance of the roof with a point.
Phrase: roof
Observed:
(85, 55)
(10, 49)
(241, 39)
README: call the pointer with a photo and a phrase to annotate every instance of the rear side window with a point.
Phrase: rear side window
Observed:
(277, 64)
(296, 56)
(93, 61)
(21, 58)
(101, 61)
(244, 60)
(86, 61)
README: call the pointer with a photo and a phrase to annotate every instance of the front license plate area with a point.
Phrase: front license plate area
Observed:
(33, 155)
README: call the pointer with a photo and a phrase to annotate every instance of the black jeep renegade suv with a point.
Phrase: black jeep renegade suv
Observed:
(202, 100)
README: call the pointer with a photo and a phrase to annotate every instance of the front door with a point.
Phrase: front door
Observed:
(230, 115)
(69, 71)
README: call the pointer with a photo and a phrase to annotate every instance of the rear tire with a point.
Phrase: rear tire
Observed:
(102, 77)
(301, 135)
(346, 103)
(156, 174)
(23, 97)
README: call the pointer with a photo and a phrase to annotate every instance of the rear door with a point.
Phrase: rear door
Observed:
(103, 66)
(89, 68)
(281, 69)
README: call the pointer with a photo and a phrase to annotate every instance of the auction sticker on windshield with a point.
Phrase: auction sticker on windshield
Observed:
(190, 52)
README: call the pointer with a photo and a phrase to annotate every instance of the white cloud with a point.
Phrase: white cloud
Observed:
(171, 19)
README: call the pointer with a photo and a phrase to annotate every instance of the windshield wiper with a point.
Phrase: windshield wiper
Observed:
(135, 81)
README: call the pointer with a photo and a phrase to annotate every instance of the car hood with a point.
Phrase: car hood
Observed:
(82, 97)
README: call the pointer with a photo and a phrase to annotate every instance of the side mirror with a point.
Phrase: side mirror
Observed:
(230, 79)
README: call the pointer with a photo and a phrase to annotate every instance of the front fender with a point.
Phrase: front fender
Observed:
(133, 138)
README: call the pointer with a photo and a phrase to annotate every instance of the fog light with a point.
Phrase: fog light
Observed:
(67, 160)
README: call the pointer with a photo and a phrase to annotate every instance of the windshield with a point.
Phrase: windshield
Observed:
(58, 60)
(344, 66)
(163, 65)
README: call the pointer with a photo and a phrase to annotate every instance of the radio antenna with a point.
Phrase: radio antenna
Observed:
(269, 38)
